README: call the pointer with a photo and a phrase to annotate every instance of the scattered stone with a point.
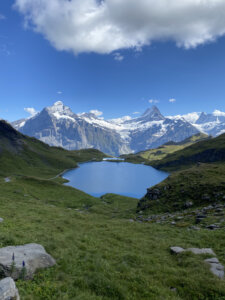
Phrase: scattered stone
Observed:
(173, 223)
(153, 194)
(8, 289)
(188, 204)
(195, 227)
(201, 251)
(215, 267)
(173, 289)
(1, 220)
(131, 220)
(26, 259)
(212, 226)
(206, 197)
(7, 179)
(176, 250)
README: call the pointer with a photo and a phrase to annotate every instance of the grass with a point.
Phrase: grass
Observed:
(206, 151)
(163, 151)
(101, 252)
(201, 184)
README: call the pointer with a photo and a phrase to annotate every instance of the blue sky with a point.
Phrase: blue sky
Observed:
(120, 81)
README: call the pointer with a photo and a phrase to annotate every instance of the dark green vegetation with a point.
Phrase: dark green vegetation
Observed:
(198, 175)
(23, 155)
(163, 151)
(209, 151)
(101, 252)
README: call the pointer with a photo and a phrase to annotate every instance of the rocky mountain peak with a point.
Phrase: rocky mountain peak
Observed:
(152, 114)
(59, 109)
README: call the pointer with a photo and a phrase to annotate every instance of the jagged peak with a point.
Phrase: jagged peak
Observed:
(150, 110)
(59, 108)
(152, 113)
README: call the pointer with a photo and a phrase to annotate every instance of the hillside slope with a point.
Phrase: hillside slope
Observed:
(23, 155)
(212, 150)
(164, 150)
(198, 178)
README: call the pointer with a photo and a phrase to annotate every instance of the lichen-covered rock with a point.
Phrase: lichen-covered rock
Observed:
(23, 261)
(8, 289)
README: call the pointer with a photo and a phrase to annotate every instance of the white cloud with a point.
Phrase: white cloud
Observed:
(109, 25)
(155, 101)
(136, 113)
(172, 100)
(2, 17)
(59, 92)
(96, 112)
(218, 113)
(118, 56)
(30, 110)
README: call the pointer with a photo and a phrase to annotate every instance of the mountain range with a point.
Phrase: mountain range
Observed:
(57, 125)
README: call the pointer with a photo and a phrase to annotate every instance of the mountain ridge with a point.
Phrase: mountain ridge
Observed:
(57, 125)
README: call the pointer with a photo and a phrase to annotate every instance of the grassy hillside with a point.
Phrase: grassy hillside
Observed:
(171, 147)
(22, 155)
(102, 251)
(198, 177)
(212, 150)
(162, 151)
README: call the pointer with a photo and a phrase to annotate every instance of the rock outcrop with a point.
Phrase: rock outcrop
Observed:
(23, 261)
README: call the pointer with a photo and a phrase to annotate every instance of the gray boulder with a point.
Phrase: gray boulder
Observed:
(23, 261)
(215, 267)
(201, 251)
(8, 289)
(176, 250)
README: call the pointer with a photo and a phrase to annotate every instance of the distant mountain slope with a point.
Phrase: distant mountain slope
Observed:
(207, 151)
(57, 125)
(211, 124)
(20, 154)
(164, 150)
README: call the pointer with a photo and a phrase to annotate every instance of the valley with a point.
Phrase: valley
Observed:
(113, 247)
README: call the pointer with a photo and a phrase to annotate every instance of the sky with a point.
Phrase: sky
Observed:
(114, 56)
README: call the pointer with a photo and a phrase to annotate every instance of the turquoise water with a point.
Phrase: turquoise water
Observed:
(99, 178)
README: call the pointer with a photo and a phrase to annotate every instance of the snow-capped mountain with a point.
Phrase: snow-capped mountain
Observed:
(211, 124)
(57, 125)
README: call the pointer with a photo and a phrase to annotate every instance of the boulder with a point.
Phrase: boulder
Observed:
(23, 261)
(201, 251)
(176, 250)
(8, 289)
(215, 267)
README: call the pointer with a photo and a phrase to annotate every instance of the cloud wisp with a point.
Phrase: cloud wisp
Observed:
(108, 25)
(172, 100)
(96, 112)
(153, 101)
(30, 110)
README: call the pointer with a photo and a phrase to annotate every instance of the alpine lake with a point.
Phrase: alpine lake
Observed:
(127, 179)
